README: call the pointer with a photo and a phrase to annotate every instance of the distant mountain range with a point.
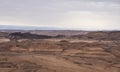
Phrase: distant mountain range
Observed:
(11, 27)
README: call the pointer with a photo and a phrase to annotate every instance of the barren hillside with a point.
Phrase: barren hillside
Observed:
(61, 54)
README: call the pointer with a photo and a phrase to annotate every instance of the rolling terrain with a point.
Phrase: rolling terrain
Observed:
(88, 52)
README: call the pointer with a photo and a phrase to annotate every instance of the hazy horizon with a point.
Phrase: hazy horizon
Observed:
(60, 14)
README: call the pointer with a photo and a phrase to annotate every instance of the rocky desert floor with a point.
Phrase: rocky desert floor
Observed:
(59, 55)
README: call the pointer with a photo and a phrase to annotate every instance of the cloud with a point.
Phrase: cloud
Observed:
(73, 14)
(90, 21)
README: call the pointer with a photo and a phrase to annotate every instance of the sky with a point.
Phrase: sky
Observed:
(64, 14)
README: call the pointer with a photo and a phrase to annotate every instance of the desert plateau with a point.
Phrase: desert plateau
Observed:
(59, 51)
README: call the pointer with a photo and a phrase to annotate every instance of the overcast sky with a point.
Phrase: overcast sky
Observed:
(69, 14)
